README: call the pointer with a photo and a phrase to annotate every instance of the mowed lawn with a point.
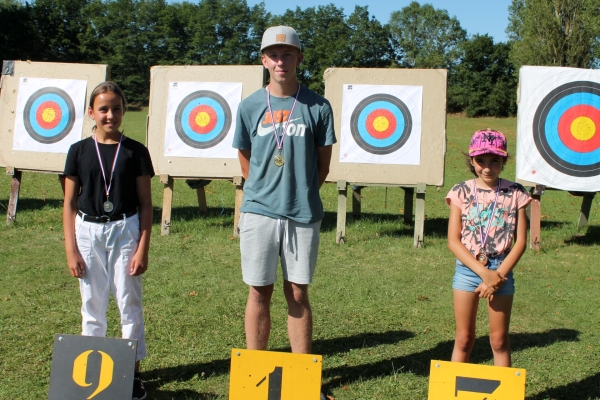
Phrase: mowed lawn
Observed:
(382, 309)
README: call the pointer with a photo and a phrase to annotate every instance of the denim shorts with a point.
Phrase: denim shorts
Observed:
(467, 280)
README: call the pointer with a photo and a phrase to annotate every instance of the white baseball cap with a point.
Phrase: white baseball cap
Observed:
(284, 35)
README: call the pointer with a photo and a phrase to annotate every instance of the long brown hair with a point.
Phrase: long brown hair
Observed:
(106, 87)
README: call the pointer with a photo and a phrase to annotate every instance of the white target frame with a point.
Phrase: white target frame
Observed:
(222, 98)
(401, 126)
(70, 93)
(42, 161)
(536, 86)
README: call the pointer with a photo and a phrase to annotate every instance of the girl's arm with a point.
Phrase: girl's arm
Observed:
(74, 260)
(519, 246)
(489, 277)
(139, 262)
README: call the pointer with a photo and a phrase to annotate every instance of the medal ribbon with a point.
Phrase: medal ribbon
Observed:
(487, 229)
(112, 170)
(280, 142)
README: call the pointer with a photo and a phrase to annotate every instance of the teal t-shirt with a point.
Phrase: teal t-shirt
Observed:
(292, 190)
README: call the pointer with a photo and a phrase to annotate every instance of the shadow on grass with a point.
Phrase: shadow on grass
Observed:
(419, 363)
(183, 394)
(193, 213)
(590, 238)
(588, 388)
(25, 204)
(163, 376)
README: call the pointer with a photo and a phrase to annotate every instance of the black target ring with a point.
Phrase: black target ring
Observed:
(545, 127)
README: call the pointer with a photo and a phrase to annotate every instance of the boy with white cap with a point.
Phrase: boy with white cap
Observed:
(284, 134)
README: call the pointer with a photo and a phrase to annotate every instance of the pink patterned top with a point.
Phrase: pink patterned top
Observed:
(511, 198)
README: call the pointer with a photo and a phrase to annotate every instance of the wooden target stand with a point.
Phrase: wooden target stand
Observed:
(171, 169)
(17, 162)
(409, 193)
(535, 212)
(167, 204)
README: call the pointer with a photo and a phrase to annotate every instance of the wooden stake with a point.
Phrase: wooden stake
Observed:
(201, 200)
(165, 225)
(535, 217)
(420, 215)
(15, 187)
(584, 213)
(340, 236)
(238, 181)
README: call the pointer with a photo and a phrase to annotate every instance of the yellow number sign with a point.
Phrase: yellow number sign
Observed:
(269, 375)
(462, 381)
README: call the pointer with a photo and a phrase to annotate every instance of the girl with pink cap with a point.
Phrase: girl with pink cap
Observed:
(487, 234)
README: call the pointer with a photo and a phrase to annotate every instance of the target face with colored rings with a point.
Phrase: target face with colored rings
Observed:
(203, 119)
(381, 124)
(566, 128)
(49, 115)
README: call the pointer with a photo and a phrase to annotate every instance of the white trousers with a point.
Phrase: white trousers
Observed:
(107, 250)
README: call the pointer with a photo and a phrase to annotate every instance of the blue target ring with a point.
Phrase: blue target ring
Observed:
(203, 119)
(381, 124)
(58, 112)
(546, 129)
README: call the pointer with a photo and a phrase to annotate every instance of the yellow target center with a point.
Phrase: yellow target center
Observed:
(202, 119)
(583, 128)
(381, 124)
(48, 115)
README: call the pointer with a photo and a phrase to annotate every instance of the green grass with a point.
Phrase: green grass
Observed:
(382, 309)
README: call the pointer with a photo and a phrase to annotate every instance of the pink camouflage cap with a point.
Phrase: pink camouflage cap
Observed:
(488, 141)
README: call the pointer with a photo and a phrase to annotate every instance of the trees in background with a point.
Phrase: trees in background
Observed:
(554, 32)
(133, 35)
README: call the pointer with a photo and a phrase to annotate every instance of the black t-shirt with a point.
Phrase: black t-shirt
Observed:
(82, 161)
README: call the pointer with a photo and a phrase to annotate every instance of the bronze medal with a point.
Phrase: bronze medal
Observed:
(279, 160)
(482, 258)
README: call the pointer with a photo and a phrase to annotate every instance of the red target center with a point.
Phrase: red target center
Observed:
(567, 129)
(381, 123)
(48, 115)
(202, 119)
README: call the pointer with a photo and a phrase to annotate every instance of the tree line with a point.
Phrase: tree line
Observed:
(133, 35)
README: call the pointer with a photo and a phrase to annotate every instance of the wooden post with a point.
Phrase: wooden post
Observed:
(165, 222)
(584, 213)
(408, 204)
(238, 181)
(15, 186)
(340, 235)
(535, 217)
(356, 202)
(420, 215)
(201, 200)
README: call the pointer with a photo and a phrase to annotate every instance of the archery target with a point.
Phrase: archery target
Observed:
(201, 119)
(561, 117)
(381, 124)
(47, 117)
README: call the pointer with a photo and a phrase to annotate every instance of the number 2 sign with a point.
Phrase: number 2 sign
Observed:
(269, 375)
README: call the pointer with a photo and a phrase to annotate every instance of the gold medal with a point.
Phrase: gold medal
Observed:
(279, 160)
(482, 258)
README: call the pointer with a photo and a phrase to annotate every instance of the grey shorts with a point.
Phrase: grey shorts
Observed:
(264, 240)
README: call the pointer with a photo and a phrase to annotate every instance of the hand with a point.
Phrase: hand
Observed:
(493, 278)
(75, 264)
(139, 264)
(486, 291)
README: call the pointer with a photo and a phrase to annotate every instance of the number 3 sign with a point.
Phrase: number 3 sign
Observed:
(269, 375)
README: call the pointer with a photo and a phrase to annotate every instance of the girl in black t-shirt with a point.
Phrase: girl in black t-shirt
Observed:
(107, 220)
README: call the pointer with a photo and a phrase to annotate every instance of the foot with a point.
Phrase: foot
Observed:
(139, 392)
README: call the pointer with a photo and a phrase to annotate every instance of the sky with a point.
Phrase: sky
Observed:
(475, 16)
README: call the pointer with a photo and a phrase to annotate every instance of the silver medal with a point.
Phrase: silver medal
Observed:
(108, 206)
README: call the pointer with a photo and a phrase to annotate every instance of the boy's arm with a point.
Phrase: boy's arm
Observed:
(139, 262)
(323, 161)
(244, 156)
